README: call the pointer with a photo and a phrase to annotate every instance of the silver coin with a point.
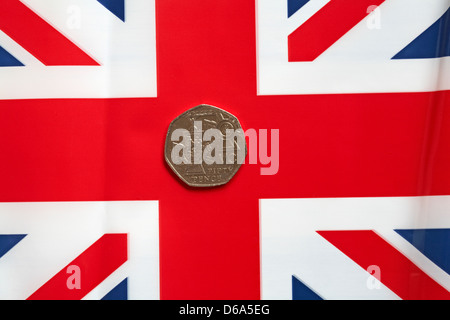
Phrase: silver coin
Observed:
(205, 146)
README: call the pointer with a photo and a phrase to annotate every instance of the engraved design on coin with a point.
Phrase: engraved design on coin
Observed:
(205, 146)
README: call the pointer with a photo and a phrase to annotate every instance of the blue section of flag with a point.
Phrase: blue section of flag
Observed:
(432, 43)
(302, 292)
(295, 5)
(117, 7)
(433, 243)
(119, 292)
(8, 241)
(7, 60)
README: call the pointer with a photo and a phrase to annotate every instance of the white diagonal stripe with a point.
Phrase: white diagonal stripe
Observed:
(17, 51)
(401, 21)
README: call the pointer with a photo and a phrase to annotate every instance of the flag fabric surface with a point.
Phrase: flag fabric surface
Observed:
(358, 90)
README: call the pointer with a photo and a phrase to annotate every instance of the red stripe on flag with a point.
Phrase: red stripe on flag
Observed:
(398, 273)
(39, 38)
(95, 264)
(326, 27)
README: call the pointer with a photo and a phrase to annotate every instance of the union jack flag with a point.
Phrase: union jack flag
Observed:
(357, 89)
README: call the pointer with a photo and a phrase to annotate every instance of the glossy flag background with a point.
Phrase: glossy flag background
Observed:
(331, 145)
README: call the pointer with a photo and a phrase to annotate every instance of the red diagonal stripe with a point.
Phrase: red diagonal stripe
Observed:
(398, 273)
(326, 27)
(96, 263)
(39, 38)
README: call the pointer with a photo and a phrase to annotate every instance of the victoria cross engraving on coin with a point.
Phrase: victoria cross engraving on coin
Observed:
(205, 146)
